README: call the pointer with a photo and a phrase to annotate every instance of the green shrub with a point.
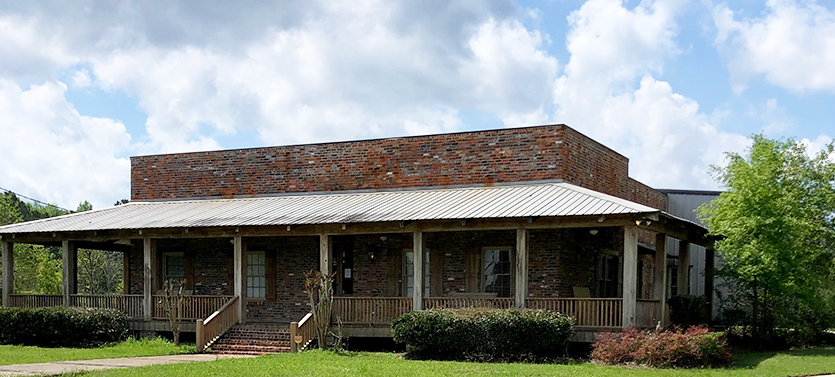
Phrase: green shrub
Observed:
(695, 347)
(483, 334)
(61, 327)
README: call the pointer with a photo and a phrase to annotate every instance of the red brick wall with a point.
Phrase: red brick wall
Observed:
(482, 157)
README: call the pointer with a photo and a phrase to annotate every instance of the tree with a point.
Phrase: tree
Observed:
(778, 245)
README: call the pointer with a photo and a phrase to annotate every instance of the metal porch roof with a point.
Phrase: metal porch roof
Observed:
(502, 201)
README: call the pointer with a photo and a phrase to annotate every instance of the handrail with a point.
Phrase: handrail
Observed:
(210, 329)
(301, 331)
(131, 305)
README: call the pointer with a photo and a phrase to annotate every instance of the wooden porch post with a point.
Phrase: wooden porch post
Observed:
(709, 266)
(521, 276)
(69, 253)
(417, 252)
(683, 271)
(325, 254)
(149, 268)
(659, 286)
(630, 275)
(239, 264)
(7, 248)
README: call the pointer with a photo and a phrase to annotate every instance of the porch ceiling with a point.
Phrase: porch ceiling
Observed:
(531, 200)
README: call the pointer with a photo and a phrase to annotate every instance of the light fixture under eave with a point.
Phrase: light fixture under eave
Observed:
(593, 232)
(383, 238)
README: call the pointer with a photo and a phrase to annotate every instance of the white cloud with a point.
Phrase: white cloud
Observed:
(81, 79)
(53, 153)
(669, 142)
(372, 69)
(792, 45)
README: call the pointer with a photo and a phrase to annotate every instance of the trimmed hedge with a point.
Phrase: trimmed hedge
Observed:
(693, 348)
(61, 327)
(483, 334)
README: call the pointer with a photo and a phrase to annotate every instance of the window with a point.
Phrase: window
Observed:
(497, 270)
(607, 276)
(173, 267)
(409, 273)
(256, 274)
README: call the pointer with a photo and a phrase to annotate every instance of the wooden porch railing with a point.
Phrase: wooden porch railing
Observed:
(646, 313)
(208, 330)
(194, 306)
(370, 310)
(131, 305)
(35, 301)
(468, 302)
(301, 333)
(596, 312)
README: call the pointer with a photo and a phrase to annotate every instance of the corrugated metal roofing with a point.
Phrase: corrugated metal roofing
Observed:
(509, 201)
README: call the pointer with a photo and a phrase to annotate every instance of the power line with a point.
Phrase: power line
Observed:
(45, 204)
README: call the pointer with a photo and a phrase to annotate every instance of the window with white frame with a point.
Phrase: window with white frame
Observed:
(256, 274)
(409, 273)
(497, 270)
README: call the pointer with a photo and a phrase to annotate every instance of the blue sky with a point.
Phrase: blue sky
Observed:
(672, 85)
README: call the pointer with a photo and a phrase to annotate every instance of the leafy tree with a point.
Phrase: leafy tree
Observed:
(99, 272)
(84, 206)
(778, 246)
(9, 209)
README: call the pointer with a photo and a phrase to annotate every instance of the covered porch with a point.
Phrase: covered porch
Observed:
(552, 246)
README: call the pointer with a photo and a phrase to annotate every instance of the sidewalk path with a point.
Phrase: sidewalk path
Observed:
(60, 367)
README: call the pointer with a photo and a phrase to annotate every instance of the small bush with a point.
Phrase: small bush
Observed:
(61, 327)
(696, 347)
(483, 334)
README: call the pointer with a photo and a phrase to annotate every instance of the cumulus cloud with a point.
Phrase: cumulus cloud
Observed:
(608, 92)
(792, 45)
(53, 153)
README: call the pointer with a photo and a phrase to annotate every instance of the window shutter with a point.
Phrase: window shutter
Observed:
(436, 272)
(393, 261)
(473, 269)
(188, 266)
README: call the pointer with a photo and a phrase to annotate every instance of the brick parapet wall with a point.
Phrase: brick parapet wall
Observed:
(467, 158)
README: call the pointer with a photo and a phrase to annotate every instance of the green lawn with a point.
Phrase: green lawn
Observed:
(128, 348)
(317, 363)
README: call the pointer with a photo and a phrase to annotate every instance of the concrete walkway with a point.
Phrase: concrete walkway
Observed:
(60, 367)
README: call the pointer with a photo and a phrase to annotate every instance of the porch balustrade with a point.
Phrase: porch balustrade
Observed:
(468, 302)
(131, 305)
(35, 301)
(592, 312)
(370, 310)
(194, 307)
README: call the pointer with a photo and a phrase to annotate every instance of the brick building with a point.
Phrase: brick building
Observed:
(539, 217)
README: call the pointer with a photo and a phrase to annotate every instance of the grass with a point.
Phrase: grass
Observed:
(128, 348)
(319, 363)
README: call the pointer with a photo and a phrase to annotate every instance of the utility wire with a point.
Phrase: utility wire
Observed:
(34, 200)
